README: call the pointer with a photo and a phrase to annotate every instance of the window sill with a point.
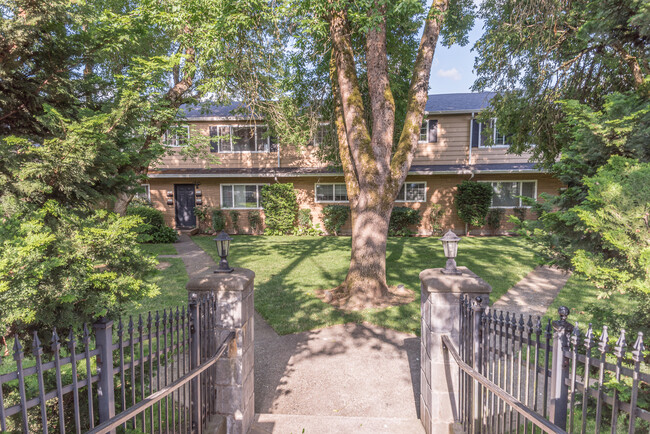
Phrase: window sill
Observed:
(241, 209)
(410, 201)
(332, 201)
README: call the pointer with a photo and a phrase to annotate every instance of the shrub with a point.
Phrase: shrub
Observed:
(334, 217)
(280, 208)
(255, 221)
(76, 270)
(218, 220)
(153, 228)
(473, 201)
(400, 219)
(494, 219)
(435, 218)
(305, 225)
(520, 212)
(202, 214)
(234, 218)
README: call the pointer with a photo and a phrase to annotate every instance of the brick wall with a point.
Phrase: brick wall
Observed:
(440, 189)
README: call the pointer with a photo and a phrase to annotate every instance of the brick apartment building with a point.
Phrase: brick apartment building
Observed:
(452, 148)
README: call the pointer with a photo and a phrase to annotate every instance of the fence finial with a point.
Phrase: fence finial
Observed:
(602, 343)
(18, 350)
(56, 343)
(562, 325)
(638, 348)
(619, 347)
(589, 338)
(36, 345)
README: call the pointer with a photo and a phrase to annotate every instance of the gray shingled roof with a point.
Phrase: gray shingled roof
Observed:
(444, 102)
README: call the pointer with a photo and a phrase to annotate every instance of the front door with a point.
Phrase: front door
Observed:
(184, 195)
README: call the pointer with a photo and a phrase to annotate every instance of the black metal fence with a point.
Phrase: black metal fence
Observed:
(519, 375)
(157, 371)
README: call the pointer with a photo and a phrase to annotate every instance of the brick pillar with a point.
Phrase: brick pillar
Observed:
(440, 309)
(234, 295)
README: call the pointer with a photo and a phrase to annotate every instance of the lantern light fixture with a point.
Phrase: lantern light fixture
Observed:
(450, 246)
(223, 248)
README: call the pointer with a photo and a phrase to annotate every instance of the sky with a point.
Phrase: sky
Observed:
(452, 69)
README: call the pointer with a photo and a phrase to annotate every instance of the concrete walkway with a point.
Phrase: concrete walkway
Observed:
(347, 378)
(533, 294)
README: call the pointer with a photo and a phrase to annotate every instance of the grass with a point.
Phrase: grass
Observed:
(290, 269)
(587, 307)
(159, 249)
(172, 281)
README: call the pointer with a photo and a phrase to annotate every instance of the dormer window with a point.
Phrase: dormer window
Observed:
(177, 136)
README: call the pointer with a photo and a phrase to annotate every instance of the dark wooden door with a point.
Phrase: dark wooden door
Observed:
(184, 199)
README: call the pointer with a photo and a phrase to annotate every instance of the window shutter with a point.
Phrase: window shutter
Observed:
(214, 144)
(433, 130)
(475, 136)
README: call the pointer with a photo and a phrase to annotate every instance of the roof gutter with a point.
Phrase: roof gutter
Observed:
(330, 174)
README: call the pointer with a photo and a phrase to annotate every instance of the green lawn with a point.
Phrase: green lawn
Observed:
(172, 281)
(159, 249)
(290, 269)
(582, 298)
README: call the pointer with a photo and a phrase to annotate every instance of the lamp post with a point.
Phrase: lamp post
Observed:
(223, 247)
(450, 245)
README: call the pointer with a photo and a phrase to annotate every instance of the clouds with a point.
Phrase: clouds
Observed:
(451, 74)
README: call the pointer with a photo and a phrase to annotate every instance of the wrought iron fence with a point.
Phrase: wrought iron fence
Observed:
(157, 371)
(520, 375)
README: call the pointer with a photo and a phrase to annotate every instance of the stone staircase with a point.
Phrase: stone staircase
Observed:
(268, 423)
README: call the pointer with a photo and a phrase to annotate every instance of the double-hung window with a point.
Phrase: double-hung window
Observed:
(320, 135)
(412, 192)
(240, 139)
(480, 135)
(428, 131)
(331, 193)
(507, 193)
(241, 196)
(177, 136)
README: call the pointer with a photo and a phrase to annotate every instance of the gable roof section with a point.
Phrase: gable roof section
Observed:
(437, 103)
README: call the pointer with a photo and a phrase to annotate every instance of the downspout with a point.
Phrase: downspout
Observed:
(471, 128)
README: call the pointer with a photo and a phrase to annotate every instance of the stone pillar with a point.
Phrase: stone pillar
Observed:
(235, 304)
(440, 309)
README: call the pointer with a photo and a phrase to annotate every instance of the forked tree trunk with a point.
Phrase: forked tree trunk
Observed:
(374, 175)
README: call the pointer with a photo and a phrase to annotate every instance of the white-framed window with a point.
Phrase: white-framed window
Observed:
(321, 133)
(428, 131)
(335, 192)
(479, 135)
(240, 138)
(424, 132)
(506, 193)
(241, 196)
(412, 192)
(177, 136)
(146, 194)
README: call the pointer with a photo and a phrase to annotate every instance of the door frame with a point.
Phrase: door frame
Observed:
(178, 226)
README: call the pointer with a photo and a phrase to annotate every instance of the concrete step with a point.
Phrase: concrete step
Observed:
(303, 424)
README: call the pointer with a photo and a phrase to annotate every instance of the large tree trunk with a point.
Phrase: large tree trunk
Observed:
(373, 176)
(365, 283)
(122, 202)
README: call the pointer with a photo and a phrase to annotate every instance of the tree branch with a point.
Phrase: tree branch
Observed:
(418, 94)
(356, 129)
(381, 97)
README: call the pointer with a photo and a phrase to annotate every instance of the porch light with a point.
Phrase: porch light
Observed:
(450, 245)
(223, 247)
